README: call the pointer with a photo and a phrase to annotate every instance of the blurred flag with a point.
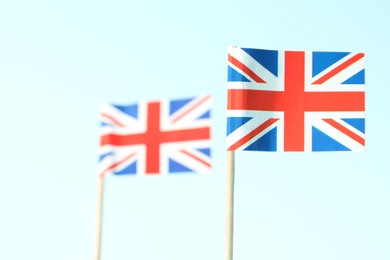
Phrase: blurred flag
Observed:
(159, 137)
(295, 100)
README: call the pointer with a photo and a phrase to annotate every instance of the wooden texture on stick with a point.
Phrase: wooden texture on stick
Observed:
(229, 205)
(99, 216)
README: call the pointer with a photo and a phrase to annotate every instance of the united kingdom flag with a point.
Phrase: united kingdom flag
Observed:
(157, 137)
(295, 100)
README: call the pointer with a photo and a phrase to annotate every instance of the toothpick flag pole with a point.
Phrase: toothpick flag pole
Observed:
(229, 205)
(99, 216)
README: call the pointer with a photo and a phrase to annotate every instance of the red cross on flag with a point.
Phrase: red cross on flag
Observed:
(156, 137)
(295, 100)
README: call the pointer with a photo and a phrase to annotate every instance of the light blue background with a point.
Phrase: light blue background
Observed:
(60, 59)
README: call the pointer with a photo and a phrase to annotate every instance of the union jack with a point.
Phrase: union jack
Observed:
(157, 137)
(295, 100)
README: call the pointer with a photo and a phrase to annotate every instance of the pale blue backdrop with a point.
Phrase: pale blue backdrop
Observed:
(60, 59)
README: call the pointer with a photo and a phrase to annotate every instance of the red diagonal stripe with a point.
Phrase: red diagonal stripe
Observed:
(196, 158)
(345, 131)
(112, 166)
(112, 119)
(191, 108)
(245, 69)
(339, 68)
(252, 134)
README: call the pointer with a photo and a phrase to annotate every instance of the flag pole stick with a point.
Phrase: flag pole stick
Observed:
(229, 205)
(99, 216)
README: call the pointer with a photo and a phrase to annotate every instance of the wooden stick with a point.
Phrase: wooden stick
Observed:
(229, 205)
(99, 216)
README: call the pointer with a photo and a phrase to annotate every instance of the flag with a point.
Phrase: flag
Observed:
(156, 137)
(295, 100)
